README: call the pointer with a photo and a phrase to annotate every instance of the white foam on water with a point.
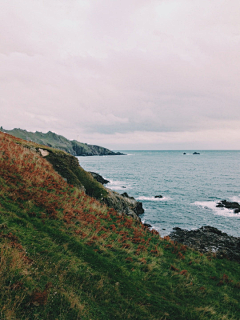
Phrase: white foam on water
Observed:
(235, 199)
(118, 185)
(154, 228)
(153, 198)
(217, 210)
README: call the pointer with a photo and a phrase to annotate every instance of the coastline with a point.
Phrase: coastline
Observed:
(62, 249)
(191, 186)
(206, 239)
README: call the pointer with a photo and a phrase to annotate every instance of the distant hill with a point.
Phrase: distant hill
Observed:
(54, 140)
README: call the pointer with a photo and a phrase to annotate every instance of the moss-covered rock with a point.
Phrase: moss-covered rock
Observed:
(68, 167)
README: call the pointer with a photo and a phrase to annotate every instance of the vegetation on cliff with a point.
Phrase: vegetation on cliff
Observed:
(54, 140)
(64, 255)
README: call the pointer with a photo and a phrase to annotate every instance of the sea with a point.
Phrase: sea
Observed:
(190, 184)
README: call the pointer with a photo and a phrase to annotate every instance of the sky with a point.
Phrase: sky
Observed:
(123, 74)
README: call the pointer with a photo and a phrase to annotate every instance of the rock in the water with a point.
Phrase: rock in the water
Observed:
(159, 196)
(196, 152)
(229, 205)
(99, 178)
(209, 239)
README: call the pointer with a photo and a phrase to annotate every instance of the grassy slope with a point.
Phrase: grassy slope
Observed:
(67, 166)
(66, 256)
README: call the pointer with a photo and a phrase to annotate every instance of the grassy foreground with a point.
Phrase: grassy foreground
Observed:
(66, 256)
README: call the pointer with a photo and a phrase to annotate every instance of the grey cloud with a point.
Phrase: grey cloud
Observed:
(112, 70)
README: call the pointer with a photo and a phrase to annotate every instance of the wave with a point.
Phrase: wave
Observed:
(118, 185)
(216, 210)
(152, 226)
(153, 198)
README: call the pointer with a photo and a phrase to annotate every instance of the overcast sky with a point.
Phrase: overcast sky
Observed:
(124, 74)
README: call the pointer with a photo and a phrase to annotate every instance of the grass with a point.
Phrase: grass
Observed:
(64, 255)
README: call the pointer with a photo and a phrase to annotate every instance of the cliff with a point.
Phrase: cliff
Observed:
(69, 168)
(54, 140)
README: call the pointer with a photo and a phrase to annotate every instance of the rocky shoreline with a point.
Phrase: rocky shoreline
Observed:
(98, 177)
(120, 202)
(208, 239)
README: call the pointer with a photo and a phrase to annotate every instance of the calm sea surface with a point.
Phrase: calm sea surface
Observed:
(191, 186)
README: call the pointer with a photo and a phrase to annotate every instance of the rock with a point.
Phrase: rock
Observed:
(124, 204)
(43, 152)
(147, 225)
(159, 196)
(209, 239)
(99, 178)
(124, 194)
(139, 208)
(196, 152)
(229, 205)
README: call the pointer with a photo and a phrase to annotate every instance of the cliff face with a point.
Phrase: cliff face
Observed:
(126, 205)
(83, 149)
(54, 140)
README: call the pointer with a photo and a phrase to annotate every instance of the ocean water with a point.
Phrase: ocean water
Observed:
(191, 186)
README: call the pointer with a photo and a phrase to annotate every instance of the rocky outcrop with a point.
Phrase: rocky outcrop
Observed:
(135, 205)
(209, 239)
(98, 177)
(235, 206)
(124, 204)
(68, 167)
(83, 149)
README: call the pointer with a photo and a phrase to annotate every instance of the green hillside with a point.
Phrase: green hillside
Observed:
(64, 255)
(54, 140)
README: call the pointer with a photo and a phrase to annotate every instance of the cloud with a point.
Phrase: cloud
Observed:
(122, 71)
(136, 140)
